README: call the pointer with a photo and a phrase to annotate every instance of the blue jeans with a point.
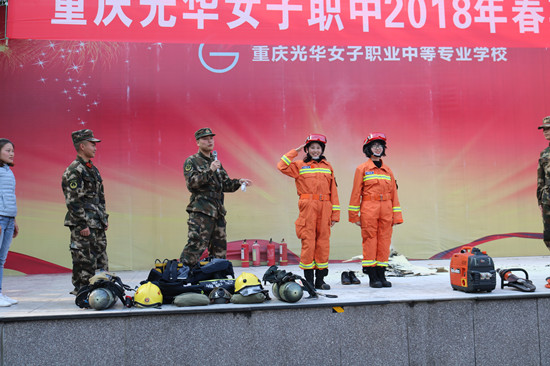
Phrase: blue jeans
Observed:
(8, 225)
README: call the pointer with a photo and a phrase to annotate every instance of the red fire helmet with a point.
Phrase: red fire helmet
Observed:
(315, 137)
(373, 137)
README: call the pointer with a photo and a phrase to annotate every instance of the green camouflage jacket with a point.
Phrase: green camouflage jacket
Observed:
(83, 189)
(206, 186)
(543, 177)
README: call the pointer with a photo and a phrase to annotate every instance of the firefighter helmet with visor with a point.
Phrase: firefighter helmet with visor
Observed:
(316, 137)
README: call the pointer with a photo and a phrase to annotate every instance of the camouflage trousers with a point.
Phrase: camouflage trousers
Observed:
(546, 223)
(89, 254)
(205, 232)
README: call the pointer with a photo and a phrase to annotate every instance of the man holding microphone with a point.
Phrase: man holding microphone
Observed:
(207, 181)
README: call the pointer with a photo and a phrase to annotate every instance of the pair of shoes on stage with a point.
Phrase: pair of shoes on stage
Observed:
(7, 301)
(349, 278)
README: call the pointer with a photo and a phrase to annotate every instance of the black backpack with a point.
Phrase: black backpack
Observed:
(168, 282)
(214, 269)
(115, 285)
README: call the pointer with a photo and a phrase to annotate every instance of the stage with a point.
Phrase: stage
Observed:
(421, 320)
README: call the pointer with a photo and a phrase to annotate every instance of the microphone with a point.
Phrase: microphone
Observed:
(215, 155)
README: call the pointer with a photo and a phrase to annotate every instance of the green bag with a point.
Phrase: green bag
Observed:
(252, 299)
(191, 299)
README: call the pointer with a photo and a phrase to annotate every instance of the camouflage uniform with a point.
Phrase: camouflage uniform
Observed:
(543, 183)
(206, 211)
(83, 189)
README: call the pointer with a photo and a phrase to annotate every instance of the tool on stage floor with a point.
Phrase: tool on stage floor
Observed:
(507, 278)
(279, 277)
(472, 270)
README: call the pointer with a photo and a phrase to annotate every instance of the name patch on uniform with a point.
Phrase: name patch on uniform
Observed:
(367, 173)
(188, 167)
(306, 167)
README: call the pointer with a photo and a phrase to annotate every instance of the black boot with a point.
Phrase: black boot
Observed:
(346, 280)
(382, 277)
(353, 278)
(308, 275)
(319, 283)
(373, 279)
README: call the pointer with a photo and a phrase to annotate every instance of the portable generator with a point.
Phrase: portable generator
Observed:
(472, 270)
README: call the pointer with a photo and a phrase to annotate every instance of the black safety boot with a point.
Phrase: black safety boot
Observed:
(373, 279)
(346, 280)
(308, 275)
(353, 278)
(382, 277)
(319, 283)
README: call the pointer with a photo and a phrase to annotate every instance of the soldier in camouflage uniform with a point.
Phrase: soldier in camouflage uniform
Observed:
(86, 217)
(543, 182)
(207, 181)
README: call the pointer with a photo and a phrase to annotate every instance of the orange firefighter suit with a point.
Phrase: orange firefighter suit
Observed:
(318, 205)
(375, 204)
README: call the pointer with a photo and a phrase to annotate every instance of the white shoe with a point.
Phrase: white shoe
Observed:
(4, 303)
(9, 299)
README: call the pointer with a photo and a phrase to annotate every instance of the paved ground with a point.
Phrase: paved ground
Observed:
(43, 296)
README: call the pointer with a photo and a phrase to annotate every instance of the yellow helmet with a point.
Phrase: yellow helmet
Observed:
(248, 284)
(148, 295)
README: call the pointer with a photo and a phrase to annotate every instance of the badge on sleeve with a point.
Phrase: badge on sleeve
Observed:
(73, 183)
(188, 167)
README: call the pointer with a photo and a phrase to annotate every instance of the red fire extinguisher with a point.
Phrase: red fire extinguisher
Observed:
(283, 253)
(245, 255)
(255, 253)
(270, 253)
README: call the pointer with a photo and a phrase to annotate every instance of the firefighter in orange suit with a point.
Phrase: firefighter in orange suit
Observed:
(318, 204)
(374, 206)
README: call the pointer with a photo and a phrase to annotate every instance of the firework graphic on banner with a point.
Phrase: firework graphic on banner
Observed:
(68, 65)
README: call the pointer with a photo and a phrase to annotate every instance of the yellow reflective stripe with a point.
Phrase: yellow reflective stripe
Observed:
(376, 176)
(383, 264)
(397, 209)
(307, 266)
(285, 159)
(354, 208)
(365, 263)
(335, 208)
(322, 265)
(315, 170)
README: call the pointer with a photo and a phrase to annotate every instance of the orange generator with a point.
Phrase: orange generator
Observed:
(472, 270)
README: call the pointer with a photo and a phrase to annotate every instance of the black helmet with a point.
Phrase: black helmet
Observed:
(219, 295)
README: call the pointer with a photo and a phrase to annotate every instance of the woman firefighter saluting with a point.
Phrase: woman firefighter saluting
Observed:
(318, 204)
(374, 206)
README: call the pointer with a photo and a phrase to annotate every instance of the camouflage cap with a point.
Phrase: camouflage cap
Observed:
(83, 135)
(204, 132)
(545, 122)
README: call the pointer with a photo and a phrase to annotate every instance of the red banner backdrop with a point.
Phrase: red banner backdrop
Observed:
(461, 130)
(518, 23)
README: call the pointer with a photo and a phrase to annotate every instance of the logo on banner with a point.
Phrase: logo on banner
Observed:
(233, 55)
